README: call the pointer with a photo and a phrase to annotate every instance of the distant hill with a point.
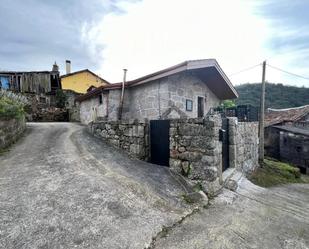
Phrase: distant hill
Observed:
(277, 95)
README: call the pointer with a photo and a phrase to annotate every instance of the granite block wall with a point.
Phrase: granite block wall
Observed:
(161, 99)
(196, 152)
(243, 145)
(130, 135)
(195, 146)
(166, 98)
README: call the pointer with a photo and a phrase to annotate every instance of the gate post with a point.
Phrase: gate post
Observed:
(232, 141)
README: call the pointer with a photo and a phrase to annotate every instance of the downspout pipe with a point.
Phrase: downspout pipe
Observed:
(122, 94)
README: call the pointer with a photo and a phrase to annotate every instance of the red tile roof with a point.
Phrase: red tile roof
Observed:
(187, 65)
(276, 116)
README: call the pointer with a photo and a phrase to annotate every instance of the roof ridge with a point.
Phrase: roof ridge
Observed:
(84, 70)
(287, 109)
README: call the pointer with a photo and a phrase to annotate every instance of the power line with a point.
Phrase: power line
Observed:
(245, 69)
(287, 72)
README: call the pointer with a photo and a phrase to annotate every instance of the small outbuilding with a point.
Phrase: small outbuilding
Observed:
(287, 136)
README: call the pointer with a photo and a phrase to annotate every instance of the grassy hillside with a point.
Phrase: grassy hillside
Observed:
(277, 95)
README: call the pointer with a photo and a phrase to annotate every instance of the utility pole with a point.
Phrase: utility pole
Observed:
(261, 121)
(122, 94)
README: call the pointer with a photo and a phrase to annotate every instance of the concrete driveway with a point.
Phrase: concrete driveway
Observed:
(253, 217)
(62, 188)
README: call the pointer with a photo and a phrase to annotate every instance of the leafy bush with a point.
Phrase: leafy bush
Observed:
(228, 103)
(11, 105)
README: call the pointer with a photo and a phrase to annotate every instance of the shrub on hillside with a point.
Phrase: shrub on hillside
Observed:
(11, 105)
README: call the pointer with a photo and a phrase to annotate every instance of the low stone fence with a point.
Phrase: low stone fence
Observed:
(243, 145)
(195, 146)
(131, 136)
(11, 130)
(196, 152)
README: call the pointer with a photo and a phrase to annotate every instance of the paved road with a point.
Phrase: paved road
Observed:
(253, 217)
(62, 188)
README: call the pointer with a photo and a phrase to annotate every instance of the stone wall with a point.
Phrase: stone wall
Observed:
(160, 99)
(131, 136)
(243, 145)
(166, 98)
(10, 131)
(72, 106)
(91, 109)
(196, 152)
(195, 146)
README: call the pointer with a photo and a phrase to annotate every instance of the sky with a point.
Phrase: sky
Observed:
(145, 36)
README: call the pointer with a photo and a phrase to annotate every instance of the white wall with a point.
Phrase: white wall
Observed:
(91, 108)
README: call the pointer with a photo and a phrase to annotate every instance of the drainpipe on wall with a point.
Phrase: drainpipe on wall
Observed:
(122, 94)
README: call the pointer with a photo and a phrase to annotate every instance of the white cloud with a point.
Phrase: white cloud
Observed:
(153, 34)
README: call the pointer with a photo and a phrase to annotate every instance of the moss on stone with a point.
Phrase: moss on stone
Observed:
(274, 172)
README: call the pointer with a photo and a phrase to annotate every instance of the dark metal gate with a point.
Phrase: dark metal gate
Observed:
(224, 138)
(160, 142)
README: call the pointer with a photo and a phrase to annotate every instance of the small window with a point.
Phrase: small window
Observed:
(100, 99)
(189, 105)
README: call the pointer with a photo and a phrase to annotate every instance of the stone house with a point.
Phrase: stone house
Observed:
(287, 136)
(187, 90)
(167, 120)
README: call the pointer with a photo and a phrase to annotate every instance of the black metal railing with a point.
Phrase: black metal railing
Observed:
(244, 113)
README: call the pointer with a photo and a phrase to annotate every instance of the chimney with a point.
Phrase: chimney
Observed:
(68, 66)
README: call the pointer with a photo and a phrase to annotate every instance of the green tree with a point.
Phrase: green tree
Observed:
(277, 95)
(228, 103)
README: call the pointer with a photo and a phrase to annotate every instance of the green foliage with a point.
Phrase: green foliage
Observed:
(61, 98)
(228, 103)
(9, 108)
(276, 95)
(274, 172)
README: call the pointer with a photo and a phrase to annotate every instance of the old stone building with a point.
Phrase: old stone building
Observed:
(287, 136)
(166, 120)
(187, 90)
